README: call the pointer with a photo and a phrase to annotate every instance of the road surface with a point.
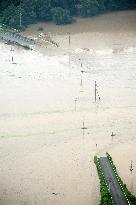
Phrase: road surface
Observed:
(115, 190)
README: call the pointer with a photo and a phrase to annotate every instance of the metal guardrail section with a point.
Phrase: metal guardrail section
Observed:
(16, 38)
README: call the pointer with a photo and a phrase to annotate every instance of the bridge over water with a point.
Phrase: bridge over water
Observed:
(16, 38)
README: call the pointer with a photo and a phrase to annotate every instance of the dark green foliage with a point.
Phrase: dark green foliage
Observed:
(102, 6)
(87, 8)
(61, 16)
(43, 10)
(60, 11)
(8, 15)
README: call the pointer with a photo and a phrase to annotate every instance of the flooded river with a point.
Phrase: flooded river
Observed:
(115, 30)
(45, 100)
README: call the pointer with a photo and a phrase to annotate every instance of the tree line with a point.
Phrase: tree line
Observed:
(16, 13)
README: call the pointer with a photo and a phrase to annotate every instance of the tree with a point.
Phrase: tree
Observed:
(101, 4)
(28, 11)
(87, 8)
(43, 10)
(58, 10)
(61, 16)
(8, 15)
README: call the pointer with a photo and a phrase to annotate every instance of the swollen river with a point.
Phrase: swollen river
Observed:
(48, 95)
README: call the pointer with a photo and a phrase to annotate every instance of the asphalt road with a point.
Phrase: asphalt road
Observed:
(115, 190)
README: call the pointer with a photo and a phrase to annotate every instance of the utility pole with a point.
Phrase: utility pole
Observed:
(112, 135)
(84, 128)
(12, 59)
(20, 20)
(69, 38)
(131, 167)
(75, 103)
(20, 16)
(82, 71)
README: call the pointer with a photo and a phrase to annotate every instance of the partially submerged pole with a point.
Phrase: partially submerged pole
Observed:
(84, 128)
(131, 167)
(12, 59)
(20, 20)
(69, 39)
(75, 103)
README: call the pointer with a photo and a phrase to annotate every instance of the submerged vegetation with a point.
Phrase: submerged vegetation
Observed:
(20, 13)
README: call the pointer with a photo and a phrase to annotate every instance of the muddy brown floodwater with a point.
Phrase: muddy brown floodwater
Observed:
(115, 30)
(45, 158)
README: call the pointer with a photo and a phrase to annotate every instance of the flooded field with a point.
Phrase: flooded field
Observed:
(115, 30)
(44, 100)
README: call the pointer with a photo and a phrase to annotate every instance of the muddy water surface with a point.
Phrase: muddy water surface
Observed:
(44, 156)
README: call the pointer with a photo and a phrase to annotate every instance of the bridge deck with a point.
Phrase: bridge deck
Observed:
(16, 38)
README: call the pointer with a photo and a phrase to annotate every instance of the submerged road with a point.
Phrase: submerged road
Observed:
(115, 190)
